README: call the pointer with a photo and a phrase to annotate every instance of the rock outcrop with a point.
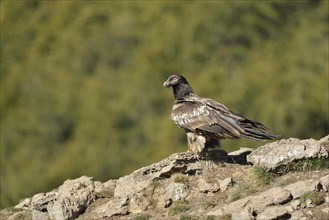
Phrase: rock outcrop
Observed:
(280, 153)
(211, 185)
(71, 200)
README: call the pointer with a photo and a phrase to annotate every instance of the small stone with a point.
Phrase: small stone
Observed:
(72, 198)
(289, 208)
(168, 203)
(325, 210)
(258, 203)
(37, 215)
(324, 181)
(24, 204)
(327, 199)
(309, 212)
(224, 184)
(41, 201)
(104, 189)
(217, 212)
(138, 203)
(295, 204)
(242, 150)
(176, 191)
(206, 187)
(270, 197)
(98, 186)
(56, 210)
(110, 184)
(298, 215)
(245, 214)
(25, 214)
(273, 212)
(309, 203)
(116, 206)
(299, 188)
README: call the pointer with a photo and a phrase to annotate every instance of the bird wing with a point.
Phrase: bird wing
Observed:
(249, 129)
(205, 115)
(244, 122)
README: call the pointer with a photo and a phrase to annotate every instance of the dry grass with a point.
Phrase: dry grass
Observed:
(180, 178)
(105, 193)
(304, 165)
(261, 176)
(179, 206)
(241, 190)
(317, 198)
(141, 217)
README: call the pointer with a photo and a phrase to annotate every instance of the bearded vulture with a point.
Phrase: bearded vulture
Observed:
(206, 121)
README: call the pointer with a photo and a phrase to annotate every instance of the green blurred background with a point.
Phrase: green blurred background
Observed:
(81, 81)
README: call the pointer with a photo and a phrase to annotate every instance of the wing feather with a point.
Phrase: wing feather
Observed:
(199, 116)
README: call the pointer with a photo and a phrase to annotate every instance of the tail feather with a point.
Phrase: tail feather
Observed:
(258, 134)
(246, 123)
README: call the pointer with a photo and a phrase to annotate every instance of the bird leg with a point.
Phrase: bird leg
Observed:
(196, 143)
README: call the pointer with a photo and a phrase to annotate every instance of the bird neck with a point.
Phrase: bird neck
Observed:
(182, 90)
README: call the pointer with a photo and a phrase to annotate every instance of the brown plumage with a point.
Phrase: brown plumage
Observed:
(206, 121)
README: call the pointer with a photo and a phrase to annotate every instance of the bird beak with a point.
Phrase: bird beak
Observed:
(166, 84)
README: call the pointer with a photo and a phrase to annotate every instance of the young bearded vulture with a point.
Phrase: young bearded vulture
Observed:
(206, 121)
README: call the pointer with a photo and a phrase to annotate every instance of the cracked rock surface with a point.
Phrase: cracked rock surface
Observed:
(212, 185)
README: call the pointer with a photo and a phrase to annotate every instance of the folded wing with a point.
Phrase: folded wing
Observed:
(208, 117)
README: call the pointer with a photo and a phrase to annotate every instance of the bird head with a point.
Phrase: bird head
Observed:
(175, 80)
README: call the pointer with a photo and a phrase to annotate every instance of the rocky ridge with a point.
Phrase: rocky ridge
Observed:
(285, 179)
